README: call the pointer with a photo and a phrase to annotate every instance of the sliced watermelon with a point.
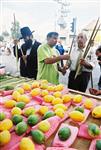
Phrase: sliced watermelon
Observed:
(54, 121)
(83, 132)
(58, 143)
(93, 144)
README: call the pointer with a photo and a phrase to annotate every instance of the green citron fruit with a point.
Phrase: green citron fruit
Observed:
(93, 130)
(17, 118)
(29, 111)
(21, 128)
(64, 133)
(38, 136)
(33, 120)
(21, 105)
(98, 145)
(48, 114)
(2, 116)
(80, 109)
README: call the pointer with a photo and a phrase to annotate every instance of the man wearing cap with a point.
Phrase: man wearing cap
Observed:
(48, 59)
(27, 54)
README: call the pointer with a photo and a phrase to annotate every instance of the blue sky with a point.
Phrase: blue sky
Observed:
(41, 15)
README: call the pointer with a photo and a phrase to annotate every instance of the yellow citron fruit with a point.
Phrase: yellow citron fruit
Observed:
(44, 93)
(24, 98)
(96, 113)
(77, 116)
(77, 98)
(60, 112)
(20, 90)
(57, 94)
(44, 126)
(62, 106)
(49, 98)
(26, 86)
(26, 144)
(35, 92)
(57, 101)
(50, 88)
(35, 84)
(88, 103)
(43, 86)
(5, 137)
(29, 111)
(16, 111)
(44, 81)
(9, 103)
(59, 87)
(16, 95)
(43, 110)
(6, 124)
(66, 98)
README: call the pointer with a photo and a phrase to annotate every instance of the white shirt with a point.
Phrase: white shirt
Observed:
(90, 58)
(29, 50)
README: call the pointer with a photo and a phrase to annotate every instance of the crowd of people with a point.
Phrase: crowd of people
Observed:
(45, 60)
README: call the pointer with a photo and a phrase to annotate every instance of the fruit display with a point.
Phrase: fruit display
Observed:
(95, 144)
(88, 104)
(16, 119)
(5, 137)
(38, 136)
(2, 116)
(96, 112)
(26, 144)
(48, 114)
(77, 116)
(98, 145)
(33, 120)
(21, 128)
(37, 115)
(64, 133)
(44, 126)
(77, 98)
(65, 136)
(6, 124)
(94, 130)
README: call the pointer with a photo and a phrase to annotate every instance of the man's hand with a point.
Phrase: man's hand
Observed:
(84, 63)
(62, 69)
(16, 42)
(94, 91)
(65, 57)
(24, 59)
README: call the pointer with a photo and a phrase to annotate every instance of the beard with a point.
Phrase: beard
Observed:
(81, 45)
(28, 44)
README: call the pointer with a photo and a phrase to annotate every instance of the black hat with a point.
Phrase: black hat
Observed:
(25, 31)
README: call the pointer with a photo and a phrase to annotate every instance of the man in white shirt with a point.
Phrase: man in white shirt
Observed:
(80, 83)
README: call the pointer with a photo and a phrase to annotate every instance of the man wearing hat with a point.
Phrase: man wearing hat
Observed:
(27, 54)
